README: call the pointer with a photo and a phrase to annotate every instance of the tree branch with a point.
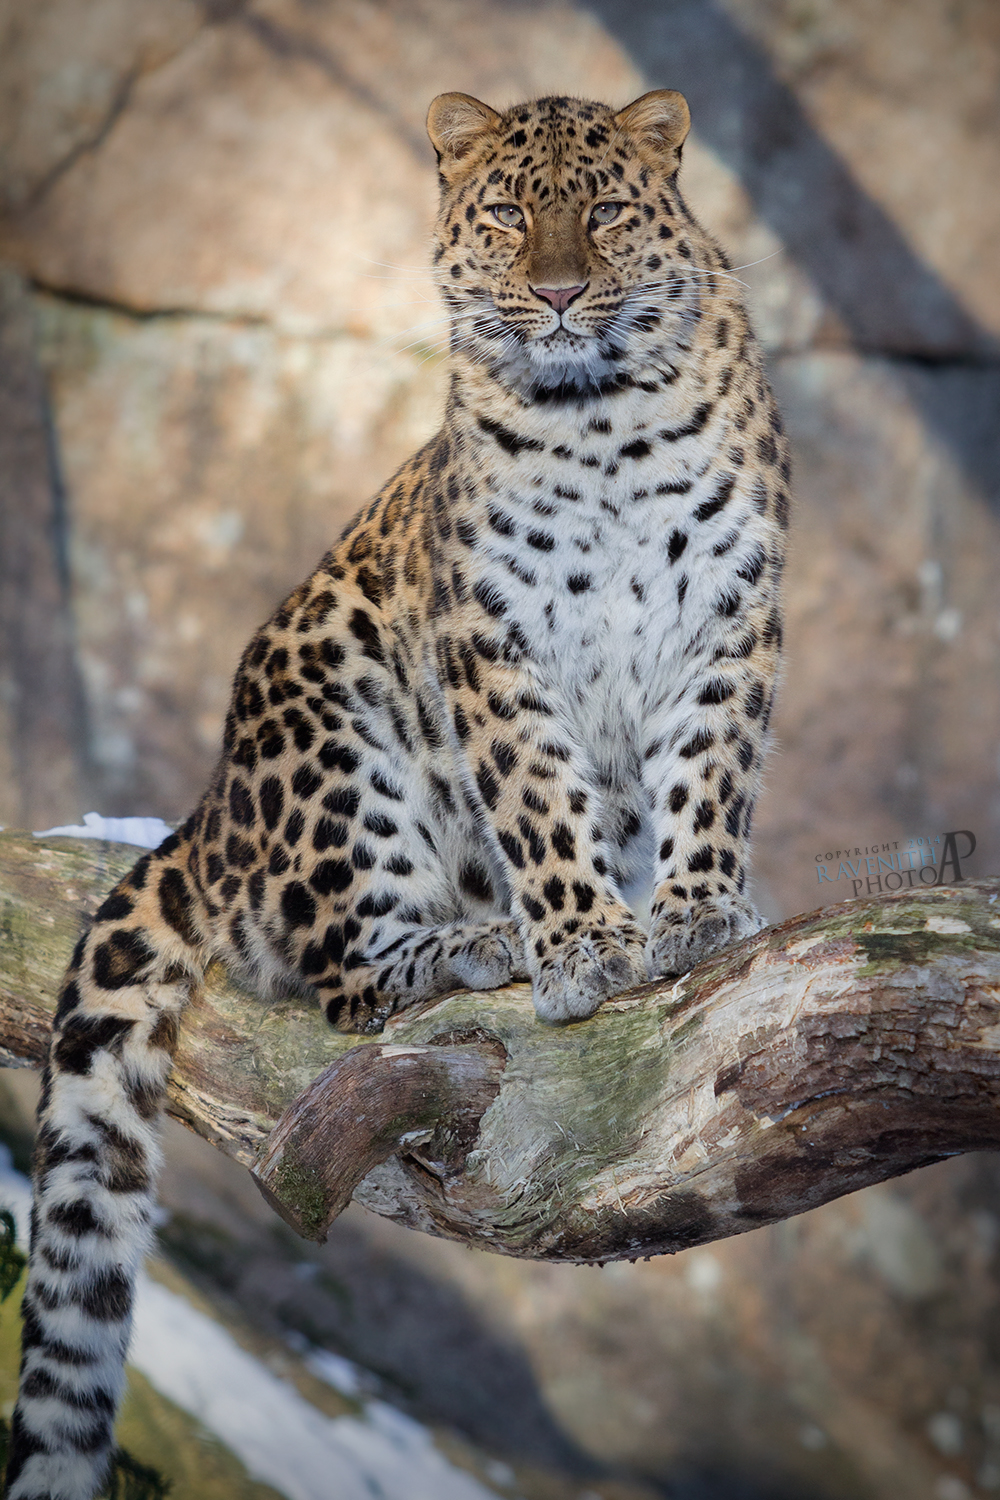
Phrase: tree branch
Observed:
(838, 1049)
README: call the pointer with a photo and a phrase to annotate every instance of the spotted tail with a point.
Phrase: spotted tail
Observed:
(96, 1161)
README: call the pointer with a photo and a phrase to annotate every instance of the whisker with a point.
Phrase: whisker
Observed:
(721, 275)
(430, 323)
(410, 302)
(420, 339)
(421, 331)
(416, 328)
(390, 265)
(470, 326)
(693, 272)
(760, 262)
(424, 276)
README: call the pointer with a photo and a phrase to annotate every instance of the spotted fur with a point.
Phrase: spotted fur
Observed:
(531, 681)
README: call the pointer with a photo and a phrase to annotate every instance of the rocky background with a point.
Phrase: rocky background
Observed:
(217, 337)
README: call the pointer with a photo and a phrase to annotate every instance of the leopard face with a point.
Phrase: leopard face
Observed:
(563, 240)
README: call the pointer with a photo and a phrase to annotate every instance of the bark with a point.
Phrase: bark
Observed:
(838, 1049)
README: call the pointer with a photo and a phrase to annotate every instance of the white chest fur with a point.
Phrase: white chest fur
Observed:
(612, 559)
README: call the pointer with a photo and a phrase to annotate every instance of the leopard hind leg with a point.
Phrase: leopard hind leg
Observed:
(430, 917)
(419, 963)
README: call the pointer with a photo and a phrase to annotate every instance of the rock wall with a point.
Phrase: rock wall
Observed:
(216, 220)
(218, 336)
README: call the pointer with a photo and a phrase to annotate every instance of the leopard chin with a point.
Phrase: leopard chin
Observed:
(560, 361)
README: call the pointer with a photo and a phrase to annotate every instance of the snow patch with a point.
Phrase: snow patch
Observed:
(342, 1374)
(147, 833)
(279, 1437)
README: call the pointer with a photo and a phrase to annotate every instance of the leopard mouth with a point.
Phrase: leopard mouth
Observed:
(563, 358)
(561, 340)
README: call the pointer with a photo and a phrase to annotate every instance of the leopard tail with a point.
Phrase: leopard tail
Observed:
(96, 1162)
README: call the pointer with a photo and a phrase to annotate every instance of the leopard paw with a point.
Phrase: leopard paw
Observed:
(585, 969)
(682, 934)
(490, 958)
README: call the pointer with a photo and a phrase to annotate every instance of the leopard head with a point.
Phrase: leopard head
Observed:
(563, 243)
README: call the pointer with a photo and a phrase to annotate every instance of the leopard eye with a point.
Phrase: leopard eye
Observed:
(508, 214)
(604, 213)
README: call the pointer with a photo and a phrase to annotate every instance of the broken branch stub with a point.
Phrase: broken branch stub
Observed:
(838, 1049)
(364, 1108)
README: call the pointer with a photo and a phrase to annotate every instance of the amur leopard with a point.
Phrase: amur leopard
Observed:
(510, 728)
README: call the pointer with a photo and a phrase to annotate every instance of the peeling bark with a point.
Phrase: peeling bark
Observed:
(841, 1048)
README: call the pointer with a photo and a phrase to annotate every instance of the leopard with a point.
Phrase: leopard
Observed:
(510, 730)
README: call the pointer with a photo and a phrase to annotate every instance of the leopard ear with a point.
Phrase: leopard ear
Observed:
(455, 123)
(661, 118)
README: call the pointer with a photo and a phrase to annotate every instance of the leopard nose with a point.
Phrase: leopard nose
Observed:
(559, 297)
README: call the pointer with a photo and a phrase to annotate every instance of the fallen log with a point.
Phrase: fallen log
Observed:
(838, 1049)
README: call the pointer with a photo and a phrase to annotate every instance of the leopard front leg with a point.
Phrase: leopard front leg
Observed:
(581, 941)
(702, 773)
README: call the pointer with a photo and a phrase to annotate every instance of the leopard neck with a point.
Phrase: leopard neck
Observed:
(664, 384)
